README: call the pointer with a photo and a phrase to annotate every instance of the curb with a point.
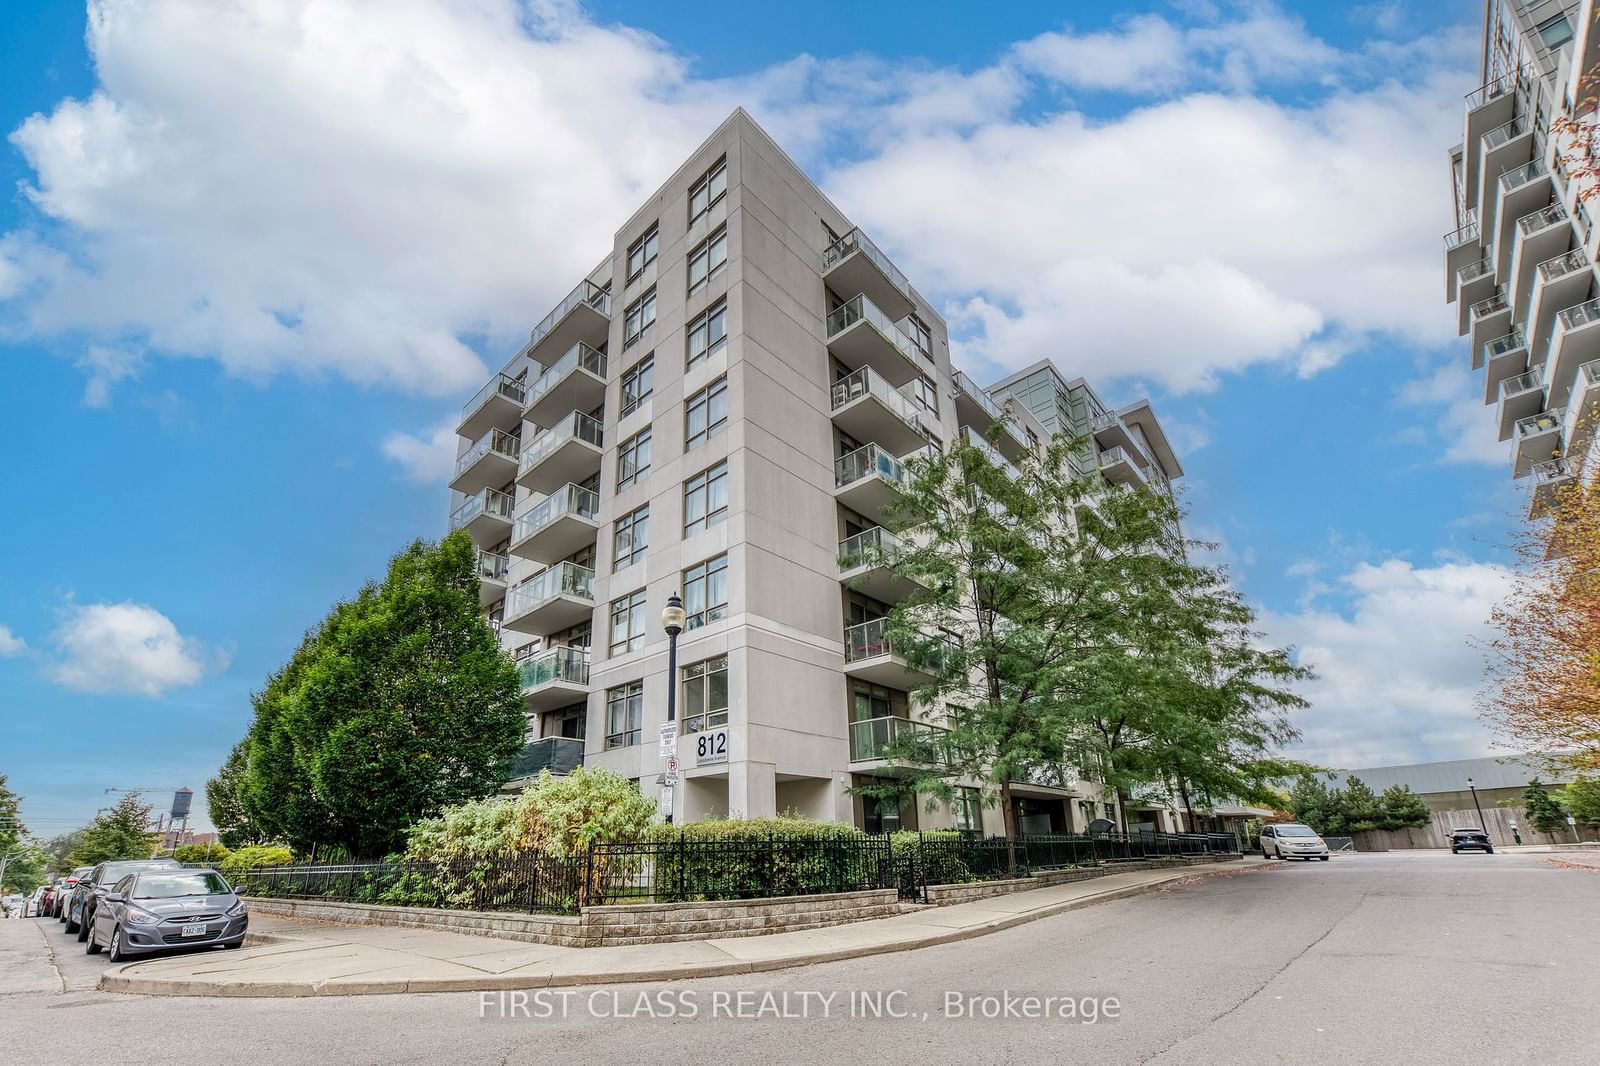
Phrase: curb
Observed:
(119, 980)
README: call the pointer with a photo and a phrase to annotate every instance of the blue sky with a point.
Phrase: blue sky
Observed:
(249, 268)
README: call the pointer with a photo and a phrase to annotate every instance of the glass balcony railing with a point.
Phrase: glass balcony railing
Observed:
(858, 308)
(576, 426)
(502, 385)
(1511, 342)
(555, 664)
(580, 355)
(587, 292)
(491, 502)
(492, 566)
(871, 547)
(1491, 305)
(1563, 264)
(1580, 314)
(856, 241)
(569, 499)
(869, 461)
(870, 736)
(559, 755)
(1542, 219)
(1118, 454)
(562, 579)
(1533, 379)
(1491, 90)
(1551, 471)
(496, 441)
(1589, 375)
(1473, 271)
(1503, 133)
(1457, 237)
(1512, 179)
(871, 639)
(864, 381)
(977, 395)
(1541, 423)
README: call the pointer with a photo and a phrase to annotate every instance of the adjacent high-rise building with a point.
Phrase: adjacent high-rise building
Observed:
(1520, 263)
(721, 409)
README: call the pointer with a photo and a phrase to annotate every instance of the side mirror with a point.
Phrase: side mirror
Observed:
(115, 897)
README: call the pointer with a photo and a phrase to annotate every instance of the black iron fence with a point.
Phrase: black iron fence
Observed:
(679, 869)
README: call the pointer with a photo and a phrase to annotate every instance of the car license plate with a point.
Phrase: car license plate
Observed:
(195, 929)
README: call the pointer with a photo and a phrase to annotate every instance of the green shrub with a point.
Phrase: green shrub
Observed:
(211, 854)
(257, 855)
(785, 856)
(936, 855)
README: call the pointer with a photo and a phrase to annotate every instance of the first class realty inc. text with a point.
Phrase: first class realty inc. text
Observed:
(545, 1004)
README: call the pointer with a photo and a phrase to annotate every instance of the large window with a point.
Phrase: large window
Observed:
(708, 332)
(705, 592)
(968, 810)
(707, 259)
(640, 316)
(633, 458)
(1554, 32)
(925, 393)
(624, 713)
(630, 538)
(868, 701)
(642, 252)
(627, 623)
(705, 499)
(705, 694)
(636, 384)
(711, 187)
(706, 413)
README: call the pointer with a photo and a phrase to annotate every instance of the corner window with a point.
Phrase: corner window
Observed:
(642, 252)
(707, 259)
(711, 187)
(705, 695)
(706, 413)
(630, 537)
(705, 499)
(624, 714)
(708, 332)
(627, 623)
(705, 592)
(1554, 32)
(637, 384)
(633, 458)
(640, 316)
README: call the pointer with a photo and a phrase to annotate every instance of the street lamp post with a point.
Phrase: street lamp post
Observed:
(672, 619)
(1481, 823)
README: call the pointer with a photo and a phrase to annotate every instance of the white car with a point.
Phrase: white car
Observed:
(1291, 840)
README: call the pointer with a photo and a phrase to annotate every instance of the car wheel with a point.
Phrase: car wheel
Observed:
(116, 954)
(93, 945)
(1277, 852)
(236, 944)
(1488, 851)
(72, 926)
(83, 926)
(1324, 858)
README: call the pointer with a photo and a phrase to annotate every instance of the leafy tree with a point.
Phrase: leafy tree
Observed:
(1582, 799)
(225, 801)
(123, 832)
(58, 848)
(1403, 809)
(1314, 804)
(25, 865)
(1360, 806)
(1544, 813)
(400, 704)
(12, 829)
(555, 815)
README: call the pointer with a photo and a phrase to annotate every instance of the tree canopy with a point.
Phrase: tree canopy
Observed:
(123, 832)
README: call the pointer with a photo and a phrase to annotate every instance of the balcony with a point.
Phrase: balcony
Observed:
(489, 463)
(556, 599)
(1460, 248)
(981, 442)
(486, 516)
(554, 677)
(1520, 397)
(866, 563)
(584, 316)
(1539, 235)
(559, 755)
(1119, 468)
(491, 568)
(498, 405)
(870, 736)
(557, 526)
(1502, 358)
(1576, 342)
(1507, 146)
(867, 407)
(854, 264)
(1524, 189)
(859, 334)
(1549, 478)
(568, 451)
(870, 655)
(575, 382)
(977, 411)
(1583, 409)
(1474, 282)
(1489, 318)
(1561, 282)
(1537, 438)
(870, 481)
(1490, 105)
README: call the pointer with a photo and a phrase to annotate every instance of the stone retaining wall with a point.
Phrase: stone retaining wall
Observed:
(620, 924)
(945, 895)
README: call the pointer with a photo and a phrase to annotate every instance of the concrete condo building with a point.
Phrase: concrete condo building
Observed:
(721, 409)
(1520, 263)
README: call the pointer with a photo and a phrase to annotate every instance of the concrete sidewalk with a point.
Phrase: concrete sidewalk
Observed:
(305, 959)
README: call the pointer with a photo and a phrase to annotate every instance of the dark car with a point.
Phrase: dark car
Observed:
(164, 909)
(58, 904)
(1470, 840)
(86, 895)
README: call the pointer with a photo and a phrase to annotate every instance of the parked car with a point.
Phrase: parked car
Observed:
(68, 883)
(36, 901)
(1467, 838)
(164, 909)
(1291, 840)
(97, 882)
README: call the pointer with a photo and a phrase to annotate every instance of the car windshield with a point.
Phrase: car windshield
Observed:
(166, 886)
(1293, 831)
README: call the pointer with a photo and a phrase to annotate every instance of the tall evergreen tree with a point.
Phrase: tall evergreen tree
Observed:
(1403, 809)
(225, 801)
(1544, 813)
(1360, 806)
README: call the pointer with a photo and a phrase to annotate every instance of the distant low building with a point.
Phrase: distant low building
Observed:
(173, 838)
(1443, 785)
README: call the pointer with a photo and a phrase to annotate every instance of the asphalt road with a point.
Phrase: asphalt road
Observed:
(1414, 957)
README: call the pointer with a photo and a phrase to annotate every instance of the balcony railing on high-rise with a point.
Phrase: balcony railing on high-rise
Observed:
(1542, 219)
(492, 566)
(868, 461)
(1580, 314)
(569, 499)
(497, 441)
(869, 640)
(1473, 271)
(870, 736)
(576, 425)
(560, 663)
(1563, 264)
(864, 381)
(559, 755)
(1467, 232)
(579, 355)
(1505, 132)
(856, 309)
(871, 547)
(978, 396)
(506, 386)
(562, 579)
(491, 502)
(1511, 179)
(1503, 345)
(586, 292)
(1491, 305)
(1533, 379)
(1491, 90)
(856, 241)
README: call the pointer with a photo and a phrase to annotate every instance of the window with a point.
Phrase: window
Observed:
(917, 330)
(641, 315)
(706, 413)
(627, 623)
(633, 458)
(869, 701)
(630, 538)
(708, 332)
(880, 815)
(707, 258)
(637, 384)
(1554, 32)
(641, 253)
(705, 499)
(926, 393)
(709, 189)
(705, 592)
(968, 809)
(705, 694)
(624, 712)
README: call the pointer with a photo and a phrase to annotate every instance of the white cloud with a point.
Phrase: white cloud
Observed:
(11, 644)
(106, 366)
(1398, 670)
(1465, 427)
(127, 647)
(431, 457)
